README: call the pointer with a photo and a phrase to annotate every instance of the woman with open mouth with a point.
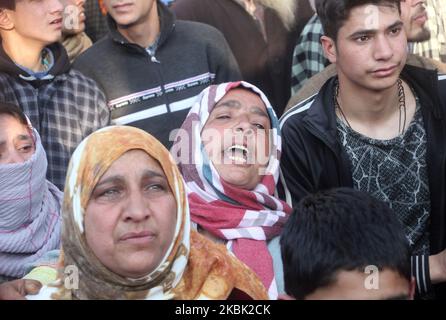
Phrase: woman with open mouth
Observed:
(228, 151)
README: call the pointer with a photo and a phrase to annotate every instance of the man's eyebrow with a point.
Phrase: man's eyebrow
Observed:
(395, 25)
(363, 32)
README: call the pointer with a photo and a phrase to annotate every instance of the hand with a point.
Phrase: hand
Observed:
(18, 289)
(437, 267)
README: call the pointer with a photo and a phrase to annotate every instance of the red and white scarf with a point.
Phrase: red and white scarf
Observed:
(247, 219)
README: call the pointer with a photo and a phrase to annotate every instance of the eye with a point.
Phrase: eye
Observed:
(222, 117)
(363, 38)
(110, 193)
(395, 31)
(155, 187)
(259, 126)
(26, 149)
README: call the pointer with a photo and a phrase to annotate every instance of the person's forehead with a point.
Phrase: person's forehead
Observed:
(11, 121)
(244, 97)
(371, 17)
(141, 162)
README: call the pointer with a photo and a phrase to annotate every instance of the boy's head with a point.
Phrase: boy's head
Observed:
(366, 41)
(334, 13)
(344, 244)
(30, 22)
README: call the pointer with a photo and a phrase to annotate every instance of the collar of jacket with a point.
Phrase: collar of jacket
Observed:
(321, 117)
(61, 64)
(167, 24)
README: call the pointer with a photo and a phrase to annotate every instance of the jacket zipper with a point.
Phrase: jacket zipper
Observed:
(153, 59)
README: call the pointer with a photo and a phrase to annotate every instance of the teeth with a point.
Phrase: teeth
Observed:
(237, 159)
(238, 147)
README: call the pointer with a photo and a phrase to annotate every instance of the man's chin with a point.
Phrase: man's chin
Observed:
(423, 35)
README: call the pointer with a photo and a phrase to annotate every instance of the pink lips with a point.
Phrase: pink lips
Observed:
(121, 6)
(384, 72)
(57, 22)
(138, 237)
(421, 18)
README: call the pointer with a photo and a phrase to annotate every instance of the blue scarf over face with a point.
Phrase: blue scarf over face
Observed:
(30, 207)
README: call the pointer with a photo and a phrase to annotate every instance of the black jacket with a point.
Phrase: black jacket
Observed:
(156, 92)
(313, 158)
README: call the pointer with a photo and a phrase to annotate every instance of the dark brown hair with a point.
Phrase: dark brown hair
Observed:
(333, 13)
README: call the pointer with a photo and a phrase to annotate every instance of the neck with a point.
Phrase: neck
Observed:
(24, 53)
(366, 106)
(145, 32)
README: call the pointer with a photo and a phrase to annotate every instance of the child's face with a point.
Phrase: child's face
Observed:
(39, 22)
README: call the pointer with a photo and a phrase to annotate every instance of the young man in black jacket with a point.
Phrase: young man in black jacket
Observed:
(152, 67)
(378, 126)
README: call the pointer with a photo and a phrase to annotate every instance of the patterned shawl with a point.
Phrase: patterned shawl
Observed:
(245, 218)
(30, 209)
(192, 268)
(75, 44)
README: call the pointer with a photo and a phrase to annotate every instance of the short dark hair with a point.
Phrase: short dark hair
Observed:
(14, 111)
(333, 13)
(7, 4)
(340, 230)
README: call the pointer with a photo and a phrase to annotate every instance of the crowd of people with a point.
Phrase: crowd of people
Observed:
(222, 149)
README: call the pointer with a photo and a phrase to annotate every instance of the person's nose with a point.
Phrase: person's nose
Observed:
(383, 49)
(137, 208)
(56, 7)
(243, 125)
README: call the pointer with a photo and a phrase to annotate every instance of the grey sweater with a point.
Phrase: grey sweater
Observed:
(156, 92)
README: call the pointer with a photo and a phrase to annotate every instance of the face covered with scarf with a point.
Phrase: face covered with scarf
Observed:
(29, 204)
(126, 223)
(228, 151)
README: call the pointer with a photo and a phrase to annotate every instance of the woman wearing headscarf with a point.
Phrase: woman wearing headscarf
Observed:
(126, 228)
(228, 151)
(30, 205)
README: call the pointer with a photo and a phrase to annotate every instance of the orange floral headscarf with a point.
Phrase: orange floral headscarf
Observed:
(193, 267)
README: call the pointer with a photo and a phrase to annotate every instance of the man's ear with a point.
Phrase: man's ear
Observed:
(329, 47)
(5, 20)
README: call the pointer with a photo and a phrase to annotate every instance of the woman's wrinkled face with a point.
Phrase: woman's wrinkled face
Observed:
(16, 142)
(130, 218)
(236, 138)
